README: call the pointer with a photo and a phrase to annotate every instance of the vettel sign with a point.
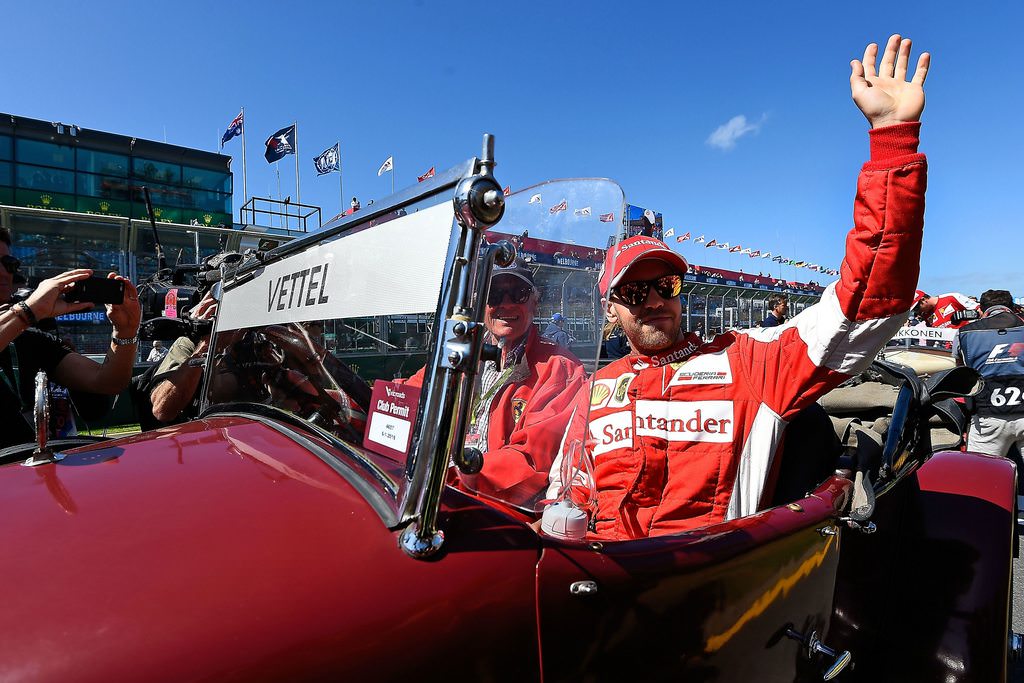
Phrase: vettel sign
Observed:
(355, 275)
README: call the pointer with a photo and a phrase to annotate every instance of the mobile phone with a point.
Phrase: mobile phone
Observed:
(98, 290)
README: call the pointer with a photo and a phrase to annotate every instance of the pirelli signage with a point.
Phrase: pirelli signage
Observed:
(390, 269)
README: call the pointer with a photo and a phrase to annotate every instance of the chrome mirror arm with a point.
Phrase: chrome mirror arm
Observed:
(479, 204)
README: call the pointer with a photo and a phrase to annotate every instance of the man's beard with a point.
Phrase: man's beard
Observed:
(649, 339)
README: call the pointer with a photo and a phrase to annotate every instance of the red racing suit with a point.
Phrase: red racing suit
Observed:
(526, 421)
(687, 438)
(946, 306)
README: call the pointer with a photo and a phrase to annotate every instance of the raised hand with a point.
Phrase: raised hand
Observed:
(46, 301)
(125, 317)
(886, 97)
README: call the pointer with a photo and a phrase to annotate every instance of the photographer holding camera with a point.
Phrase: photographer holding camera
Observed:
(175, 382)
(24, 349)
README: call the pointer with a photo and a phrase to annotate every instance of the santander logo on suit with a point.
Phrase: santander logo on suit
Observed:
(704, 421)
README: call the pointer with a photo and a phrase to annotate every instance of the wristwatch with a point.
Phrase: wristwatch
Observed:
(125, 342)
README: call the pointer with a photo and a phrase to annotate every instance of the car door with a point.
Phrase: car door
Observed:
(712, 604)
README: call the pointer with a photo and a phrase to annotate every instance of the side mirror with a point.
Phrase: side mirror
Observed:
(900, 448)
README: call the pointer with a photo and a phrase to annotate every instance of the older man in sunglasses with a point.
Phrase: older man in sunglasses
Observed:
(683, 433)
(523, 405)
(25, 349)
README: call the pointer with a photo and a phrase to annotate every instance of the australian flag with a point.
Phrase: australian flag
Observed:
(234, 128)
(329, 161)
(279, 144)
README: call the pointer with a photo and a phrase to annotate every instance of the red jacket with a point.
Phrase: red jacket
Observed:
(688, 438)
(527, 419)
(946, 306)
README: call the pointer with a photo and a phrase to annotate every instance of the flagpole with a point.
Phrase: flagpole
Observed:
(298, 195)
(245, 188)
(341, 187)
(392, 174)
(277, 172)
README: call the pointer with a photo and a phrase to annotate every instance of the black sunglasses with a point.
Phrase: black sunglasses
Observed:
(517, 295)
(635, 293)
(10, 263)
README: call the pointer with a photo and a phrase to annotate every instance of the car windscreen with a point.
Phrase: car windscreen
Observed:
(545, 316)
(323, 333)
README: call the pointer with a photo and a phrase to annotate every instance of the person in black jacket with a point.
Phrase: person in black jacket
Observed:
(24, 348)
(778, 308)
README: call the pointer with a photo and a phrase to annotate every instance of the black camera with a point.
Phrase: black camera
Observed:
(170, 293)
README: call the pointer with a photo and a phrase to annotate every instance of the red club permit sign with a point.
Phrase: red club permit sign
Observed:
(389, 424)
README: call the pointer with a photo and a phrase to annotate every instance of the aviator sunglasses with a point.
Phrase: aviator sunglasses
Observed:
(517, 295)
(635, 293)
(10, 263)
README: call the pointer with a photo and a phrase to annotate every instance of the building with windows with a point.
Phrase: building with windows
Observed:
(65, 168)
(73, 198)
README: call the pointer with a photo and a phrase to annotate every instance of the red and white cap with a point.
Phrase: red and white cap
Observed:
(640, 248)
(918, 297)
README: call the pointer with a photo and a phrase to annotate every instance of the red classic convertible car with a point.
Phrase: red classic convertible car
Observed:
(313, 524)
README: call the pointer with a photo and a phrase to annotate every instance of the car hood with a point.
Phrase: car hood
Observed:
(220, 549)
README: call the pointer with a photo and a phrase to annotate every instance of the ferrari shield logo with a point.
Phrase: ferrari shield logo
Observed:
(518, 408)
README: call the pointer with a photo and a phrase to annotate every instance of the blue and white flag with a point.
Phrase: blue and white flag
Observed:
(329, 160)
(234, 128)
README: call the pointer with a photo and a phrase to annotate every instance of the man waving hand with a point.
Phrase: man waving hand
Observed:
(684, 433)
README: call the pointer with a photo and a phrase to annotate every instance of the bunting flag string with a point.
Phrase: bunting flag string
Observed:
(752, 253)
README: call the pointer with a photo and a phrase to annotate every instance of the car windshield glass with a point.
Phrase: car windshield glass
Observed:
(322, 332)
(545, 316)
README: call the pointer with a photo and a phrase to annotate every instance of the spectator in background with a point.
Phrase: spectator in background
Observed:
(937, 311)
(157, 353)
(555, 332)
(173, 388)
(778, 309)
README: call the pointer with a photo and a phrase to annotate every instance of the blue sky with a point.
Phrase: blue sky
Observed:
(632, 91)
